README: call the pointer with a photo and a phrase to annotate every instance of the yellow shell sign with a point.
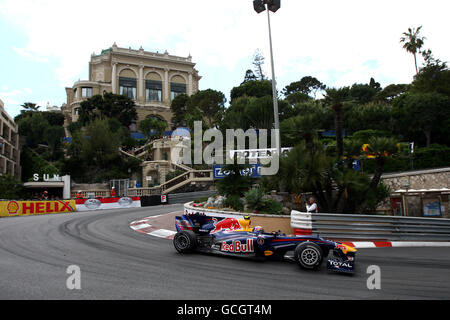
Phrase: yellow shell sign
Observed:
(25, 208)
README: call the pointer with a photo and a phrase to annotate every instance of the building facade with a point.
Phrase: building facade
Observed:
(152, 80)
(9, 145)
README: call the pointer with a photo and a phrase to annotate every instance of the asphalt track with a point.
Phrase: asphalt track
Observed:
(119, 263)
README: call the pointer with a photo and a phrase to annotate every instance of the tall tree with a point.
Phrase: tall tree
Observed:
(258, 61)
(179, 108)
(249, 76)
(335, 98)
(413, 42)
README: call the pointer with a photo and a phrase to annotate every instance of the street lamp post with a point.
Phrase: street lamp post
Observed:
(272, 5)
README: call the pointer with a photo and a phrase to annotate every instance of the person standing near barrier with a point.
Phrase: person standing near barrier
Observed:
(79, 195)
(113, 192)
(311, 206)
(45, 195)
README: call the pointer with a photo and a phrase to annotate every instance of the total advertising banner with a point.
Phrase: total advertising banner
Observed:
(26, 208)
(108, 203)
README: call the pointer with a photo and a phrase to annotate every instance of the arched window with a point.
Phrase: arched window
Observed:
(153, 87)
(177, 86)
(128, 84)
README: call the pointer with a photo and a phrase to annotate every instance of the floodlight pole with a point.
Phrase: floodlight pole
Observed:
(274, 91)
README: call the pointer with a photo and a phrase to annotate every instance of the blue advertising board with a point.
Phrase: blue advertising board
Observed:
(253, 171)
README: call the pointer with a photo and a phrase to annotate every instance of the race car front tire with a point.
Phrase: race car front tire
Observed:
(185, 241)
(308, 255)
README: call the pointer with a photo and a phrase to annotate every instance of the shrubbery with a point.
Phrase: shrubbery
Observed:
(234, 202)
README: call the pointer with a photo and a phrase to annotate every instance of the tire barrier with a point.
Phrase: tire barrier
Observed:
(370, 227)
(107, 203)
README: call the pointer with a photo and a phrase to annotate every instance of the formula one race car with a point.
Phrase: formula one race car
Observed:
(234, 237)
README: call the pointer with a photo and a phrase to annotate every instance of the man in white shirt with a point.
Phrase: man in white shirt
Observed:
(311, 206)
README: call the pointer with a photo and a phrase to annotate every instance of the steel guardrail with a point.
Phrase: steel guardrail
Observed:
(371, 227)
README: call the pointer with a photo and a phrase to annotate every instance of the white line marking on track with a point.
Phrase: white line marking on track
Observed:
(140, 226)
(163, 233)
(362, 244)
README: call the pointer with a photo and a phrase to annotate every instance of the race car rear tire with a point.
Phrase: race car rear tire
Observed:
(308, 255)
(185, 241)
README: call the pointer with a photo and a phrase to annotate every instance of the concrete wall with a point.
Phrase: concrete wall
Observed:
(420, 179)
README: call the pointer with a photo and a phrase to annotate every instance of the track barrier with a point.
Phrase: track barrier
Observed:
(370, 227)
(26, 208)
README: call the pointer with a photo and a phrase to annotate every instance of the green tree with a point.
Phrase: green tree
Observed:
(335, 98)
(413, 42)
(427, 113)
(152, 126)
(210, 103)
(381, 148)
(179, 108)
(108, 105)
(432, 78)
(249, 76)
(30, 106)
(389, 93)
(364, 93)
(53, 135)
(307, 85)
(372, 115)
(252, 89)
(33, 127)
(74, 127)
(10, 188)
(234, 183)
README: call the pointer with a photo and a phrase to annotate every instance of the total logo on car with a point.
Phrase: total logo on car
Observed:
(238, 246)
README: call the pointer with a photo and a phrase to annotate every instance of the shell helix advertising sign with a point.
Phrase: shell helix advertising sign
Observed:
(25, 208)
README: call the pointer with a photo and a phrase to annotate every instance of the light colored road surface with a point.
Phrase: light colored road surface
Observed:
(119, 263)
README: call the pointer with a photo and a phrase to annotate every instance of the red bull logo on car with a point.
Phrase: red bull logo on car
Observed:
(227, 224)
(237, 246)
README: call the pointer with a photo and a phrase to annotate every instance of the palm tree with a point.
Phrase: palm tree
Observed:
(413, 42)
(335, 98)
(29, 106)
(381, 148)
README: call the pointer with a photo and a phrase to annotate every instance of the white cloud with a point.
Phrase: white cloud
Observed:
(10, 98)
(24, 52)
(332, 40)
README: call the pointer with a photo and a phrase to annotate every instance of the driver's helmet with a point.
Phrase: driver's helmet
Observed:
(258, 229)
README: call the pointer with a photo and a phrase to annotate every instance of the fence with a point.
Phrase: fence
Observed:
(370, 227)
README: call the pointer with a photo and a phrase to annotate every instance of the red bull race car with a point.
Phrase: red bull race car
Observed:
(231, 236)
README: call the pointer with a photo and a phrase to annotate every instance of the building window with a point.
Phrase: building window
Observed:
(86, 92)
(127, 86)
(177, 89)
(153, 90)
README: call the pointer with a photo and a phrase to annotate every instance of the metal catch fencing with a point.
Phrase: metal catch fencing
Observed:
(370, 227)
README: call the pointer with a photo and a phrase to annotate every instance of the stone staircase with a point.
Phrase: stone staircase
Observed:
(188, 176)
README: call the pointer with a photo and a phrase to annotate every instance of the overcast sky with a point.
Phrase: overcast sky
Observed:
(46, 45)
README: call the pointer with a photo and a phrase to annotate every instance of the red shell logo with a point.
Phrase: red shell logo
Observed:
(12, 207)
